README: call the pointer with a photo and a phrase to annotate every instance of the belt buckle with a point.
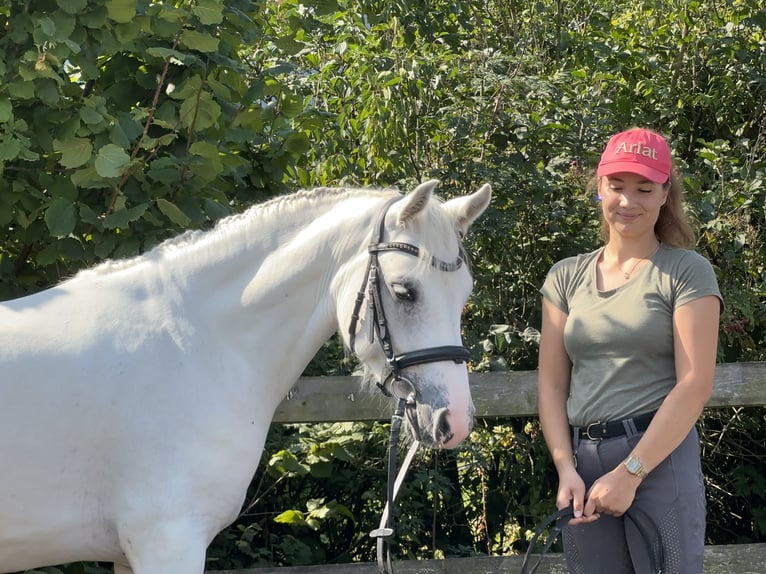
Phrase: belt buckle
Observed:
(587, 431)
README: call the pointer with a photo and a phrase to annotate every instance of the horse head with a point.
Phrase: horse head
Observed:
(415, 286)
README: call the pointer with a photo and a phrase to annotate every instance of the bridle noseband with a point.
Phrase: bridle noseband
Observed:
(392, 382)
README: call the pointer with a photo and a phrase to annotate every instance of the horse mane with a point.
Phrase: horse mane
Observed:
(433, 236)
(235, 222)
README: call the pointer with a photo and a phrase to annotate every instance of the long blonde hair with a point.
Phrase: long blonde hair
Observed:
(672, 227)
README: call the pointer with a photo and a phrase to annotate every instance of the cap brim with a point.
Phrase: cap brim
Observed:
(649, 173)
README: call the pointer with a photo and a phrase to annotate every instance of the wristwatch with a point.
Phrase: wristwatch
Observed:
(635, 467)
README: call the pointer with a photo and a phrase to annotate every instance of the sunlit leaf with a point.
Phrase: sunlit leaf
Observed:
(293, 517)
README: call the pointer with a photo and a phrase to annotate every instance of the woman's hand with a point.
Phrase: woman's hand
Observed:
(612, 494)
(572, 492)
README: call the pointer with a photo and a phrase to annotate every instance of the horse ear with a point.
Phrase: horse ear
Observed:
(416, 200)
(464, 210)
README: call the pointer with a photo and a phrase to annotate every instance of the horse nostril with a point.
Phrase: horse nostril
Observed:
(443, 433)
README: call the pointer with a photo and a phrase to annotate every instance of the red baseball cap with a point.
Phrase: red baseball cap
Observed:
(639, 151)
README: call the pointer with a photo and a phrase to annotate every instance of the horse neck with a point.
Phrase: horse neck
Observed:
(266, 281)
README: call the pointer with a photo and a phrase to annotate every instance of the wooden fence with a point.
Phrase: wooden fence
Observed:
(500, 394)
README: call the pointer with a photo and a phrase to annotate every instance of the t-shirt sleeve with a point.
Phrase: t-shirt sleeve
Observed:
(696, 279)
(554, 288)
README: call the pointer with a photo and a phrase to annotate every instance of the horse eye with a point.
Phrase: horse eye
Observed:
(403, 292)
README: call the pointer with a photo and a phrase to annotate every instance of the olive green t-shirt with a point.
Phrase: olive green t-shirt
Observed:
(620, 341)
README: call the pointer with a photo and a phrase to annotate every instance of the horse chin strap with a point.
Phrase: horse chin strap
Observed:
(392, 382)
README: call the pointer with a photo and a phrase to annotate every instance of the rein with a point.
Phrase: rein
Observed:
(385, 531)
(392, 382)
(643, 522)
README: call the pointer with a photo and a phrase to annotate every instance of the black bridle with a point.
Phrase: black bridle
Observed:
(392, 382)
(371, 288)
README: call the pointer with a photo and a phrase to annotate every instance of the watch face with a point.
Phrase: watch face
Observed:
(634, 466)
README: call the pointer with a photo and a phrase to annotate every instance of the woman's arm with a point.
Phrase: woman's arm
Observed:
(695, 335)
(554, 372)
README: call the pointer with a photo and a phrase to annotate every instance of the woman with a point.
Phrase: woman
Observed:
(627, 360)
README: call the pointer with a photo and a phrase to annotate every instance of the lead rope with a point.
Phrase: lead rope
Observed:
(384, 533)
(643, 522)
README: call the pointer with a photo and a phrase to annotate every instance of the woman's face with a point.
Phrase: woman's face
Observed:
(631, 203)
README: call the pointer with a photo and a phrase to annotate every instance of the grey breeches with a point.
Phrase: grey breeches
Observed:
(673, 495)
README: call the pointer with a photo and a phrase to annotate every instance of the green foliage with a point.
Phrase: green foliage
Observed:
(125, 122)
(307, 503)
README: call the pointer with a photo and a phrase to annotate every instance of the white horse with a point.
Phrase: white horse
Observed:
(135, 397)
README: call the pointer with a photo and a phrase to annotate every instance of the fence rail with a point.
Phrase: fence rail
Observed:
(499, 394)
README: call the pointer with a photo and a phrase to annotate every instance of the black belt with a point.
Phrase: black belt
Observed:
(601, 430)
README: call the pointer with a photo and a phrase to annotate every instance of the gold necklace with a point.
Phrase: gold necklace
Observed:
(627, 274)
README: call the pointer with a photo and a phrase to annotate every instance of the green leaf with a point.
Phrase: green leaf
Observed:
(173, 213)
(61, 217)
(48, 93)
(89, 216)
(285, 462)
(215, 210)
(74, 152)
(170, 13)
(104, 245)
(120, 218)
(63, 187)
(291, 105)
(9, 149)
(297, 143)
(90, 116)
(122, 11)
(289, 45)
(294, 517)
(72, 6)
(111, 161)
(22, 90)
(212, 165)
(6, 110)
(47, 26)
(87, 177)
(188, 89)
(209, 11)
(199, 41)
(200, 113)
